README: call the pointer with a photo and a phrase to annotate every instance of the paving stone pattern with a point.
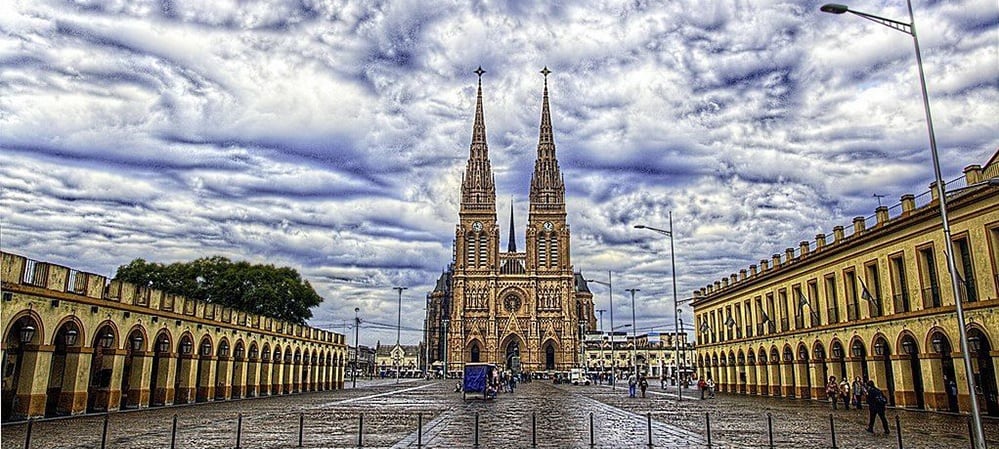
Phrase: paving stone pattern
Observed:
(562, 414)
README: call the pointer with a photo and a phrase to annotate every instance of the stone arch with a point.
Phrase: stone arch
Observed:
(101, 389)
(473, 350)
(549, 354)
(160, 393)
(928, 339)
(81, 335)
(898, 348)
(22, 368)
(99, 332)
(23, 317)
(133, 374)
(512, 346)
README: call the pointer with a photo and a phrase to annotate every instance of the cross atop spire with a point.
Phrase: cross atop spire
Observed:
(544, 72)
(478, 188)
(479, 72)
(547, 188)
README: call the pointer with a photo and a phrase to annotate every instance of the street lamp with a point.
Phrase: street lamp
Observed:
(910, 29)
(398, 327)
(634, 332)
(676, 303)
(357, 348)
(610, 294)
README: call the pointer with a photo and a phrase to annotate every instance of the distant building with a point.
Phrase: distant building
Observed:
(655, 354)
(877, 303)
(407, 359)
(364, 362)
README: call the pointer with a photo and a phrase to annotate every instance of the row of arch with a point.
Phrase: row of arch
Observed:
(548, 359)
(914, 372)
(75, 369)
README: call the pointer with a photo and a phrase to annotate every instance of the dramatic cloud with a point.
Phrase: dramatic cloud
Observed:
(330, 136)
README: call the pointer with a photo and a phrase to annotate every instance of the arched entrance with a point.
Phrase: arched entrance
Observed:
(911, 349)
(101, 369)
(222, 365)
(882, 351)
(62, 370)
(182, 377)
(238, 381)
(159, 372)
(777, 383)
(513, 355)
(549, 356)
(859, 362)
(791, 389)
(801, 371)
(839, 360)
(985, 375)
(203, 370)
(131, 374)
(23, 335)
(764, 373)
(941, 345)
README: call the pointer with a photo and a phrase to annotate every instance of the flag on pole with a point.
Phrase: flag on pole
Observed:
(763, 313)
(730, 322)
(866, 295)
(804, 301)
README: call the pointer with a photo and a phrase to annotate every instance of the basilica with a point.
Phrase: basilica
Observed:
(522, 310)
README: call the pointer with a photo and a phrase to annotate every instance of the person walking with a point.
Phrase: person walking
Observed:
(876, 402)
(643, 384)
(632, 384)
(857, 389)
(844, 392)
(702, 385)
(711, 388)
(832, 390)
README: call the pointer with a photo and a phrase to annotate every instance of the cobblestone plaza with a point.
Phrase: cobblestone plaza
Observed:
(392, 414)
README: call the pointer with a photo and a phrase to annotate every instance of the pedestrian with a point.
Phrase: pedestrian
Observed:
(832, 390)
(632, 383)
(711, 388)
(702, 385)
(844, 393)
(644, 385)
(513, 383)
(876, 402)
(857, 389)
(951, 388)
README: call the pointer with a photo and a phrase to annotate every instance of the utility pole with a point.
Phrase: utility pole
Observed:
(601, 312)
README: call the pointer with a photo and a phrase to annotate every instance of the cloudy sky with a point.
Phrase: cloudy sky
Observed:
(330, 136)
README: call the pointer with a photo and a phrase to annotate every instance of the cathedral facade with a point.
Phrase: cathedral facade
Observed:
(522, 310)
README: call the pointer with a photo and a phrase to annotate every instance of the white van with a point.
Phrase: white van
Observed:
(578, 377)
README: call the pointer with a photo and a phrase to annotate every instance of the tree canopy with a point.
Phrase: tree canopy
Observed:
(262, 289)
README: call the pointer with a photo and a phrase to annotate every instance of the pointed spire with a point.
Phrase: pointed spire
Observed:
(512, 246)
(547, 186)
(478, 188)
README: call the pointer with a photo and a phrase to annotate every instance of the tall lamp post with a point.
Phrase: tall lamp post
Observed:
(610, 294)
(634, 332)
(910, 29)
(398, 333)
(676, 304)
(357, 348)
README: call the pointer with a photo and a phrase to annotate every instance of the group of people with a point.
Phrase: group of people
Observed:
(858, 392)
(706, 386)
(635, 383)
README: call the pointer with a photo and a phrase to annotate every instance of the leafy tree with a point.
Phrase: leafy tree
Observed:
(262, 289)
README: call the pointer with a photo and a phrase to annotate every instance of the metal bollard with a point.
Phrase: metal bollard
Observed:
(707, 424)
(419, 430)
(301, 426)
(476, 430)
(832, 430)
(239, 429)
(104, 433)
(27, 434)
(534, 429)
(173, 432)
(591, 429)
(360, 429)
(649, 421)
(898, 431)
(770, 429)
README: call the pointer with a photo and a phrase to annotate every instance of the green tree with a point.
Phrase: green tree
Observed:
(262, 289)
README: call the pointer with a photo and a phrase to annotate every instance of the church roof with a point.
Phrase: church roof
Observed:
(581, 285)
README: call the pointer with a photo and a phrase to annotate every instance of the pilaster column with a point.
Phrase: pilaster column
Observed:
(818, 379)
(139, 378)
(252, 378)
(223, 378)
(73, 399)
(206, 386)
(933, 384)
(802, 379)
(166, 373)
(752, 378)
(31, 393)
(184, 383)
(905, 387)
(277, 378)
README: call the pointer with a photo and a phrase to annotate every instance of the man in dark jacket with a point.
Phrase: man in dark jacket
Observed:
(876, 401)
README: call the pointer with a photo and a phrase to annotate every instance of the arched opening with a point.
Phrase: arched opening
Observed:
(221, 371)
(764, 373)
(62, 370)
(474, 353)
(288, 370)
(203, 378)
(778, 382)
(183, 390)
(839, 359)
(23, 336)
(238, 382)
(980, 348)
(882, 352)
(264, 385)
(941, 345)
(791, 389)
(819, 356)
(802, 371)
(253, 370)
(513, 355)
(741, 367)
(911, 349)
(276, 372)
(549, 356)
(101, 369)
(859, 361)
(131, 374)
(160, 370)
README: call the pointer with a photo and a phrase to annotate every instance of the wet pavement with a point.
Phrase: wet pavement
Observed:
(559, 415)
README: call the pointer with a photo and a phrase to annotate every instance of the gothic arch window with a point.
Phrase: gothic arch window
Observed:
(553, 247)
(475, 353)
(470, 243)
